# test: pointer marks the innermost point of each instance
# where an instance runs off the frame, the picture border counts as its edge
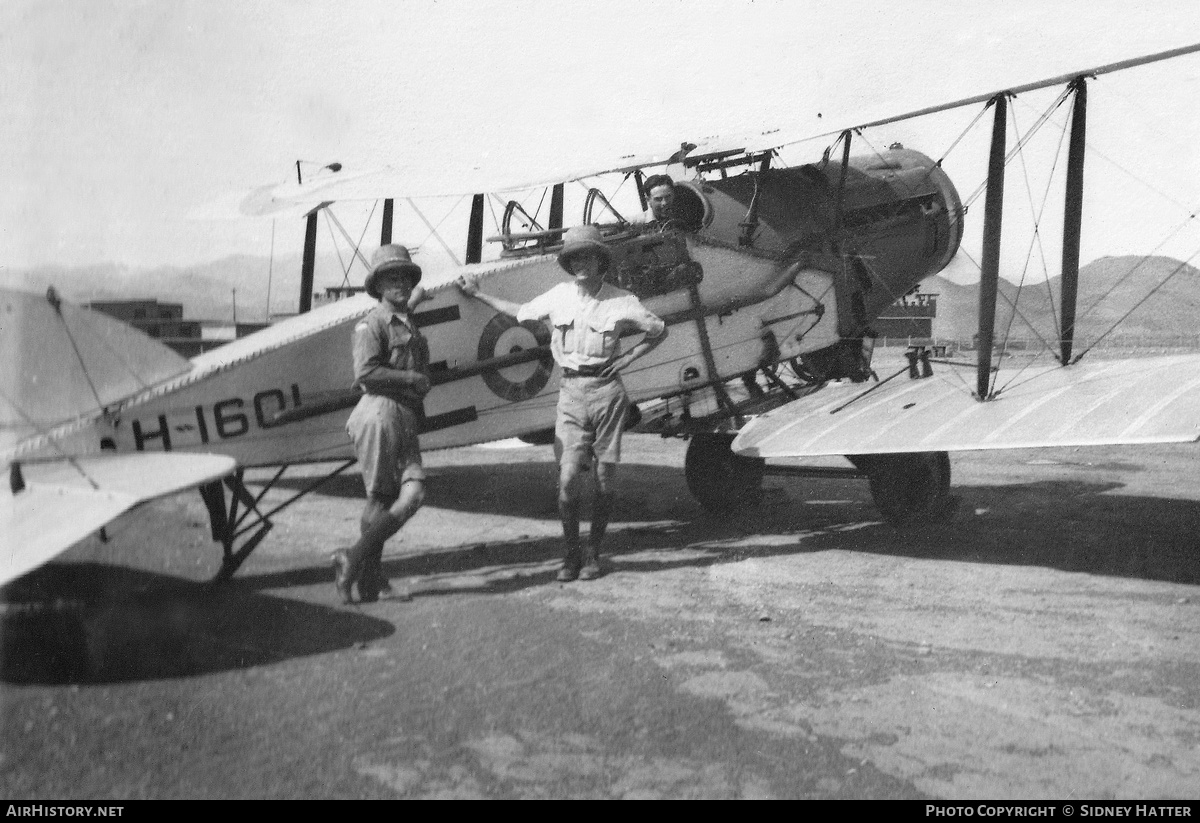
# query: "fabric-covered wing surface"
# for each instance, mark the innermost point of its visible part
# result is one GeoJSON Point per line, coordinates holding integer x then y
{"type": "Point", "coordinates": [57, 364]}
{"type": "Point", "coordinates": [1150, 400]}
{"type": "Point", "coordinates": [59, 506]}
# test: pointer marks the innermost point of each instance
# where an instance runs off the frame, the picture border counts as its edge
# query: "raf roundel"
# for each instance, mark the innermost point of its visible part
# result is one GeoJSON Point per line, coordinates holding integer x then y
{"type": "Point", "coordinates": [504, 335]}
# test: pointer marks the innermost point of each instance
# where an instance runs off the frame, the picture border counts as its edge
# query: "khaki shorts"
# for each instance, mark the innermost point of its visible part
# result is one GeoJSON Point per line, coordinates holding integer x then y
{"type": "Point", "coordinates": [591, 414]}
{"type": "Point", "coordinates": [384, 432]}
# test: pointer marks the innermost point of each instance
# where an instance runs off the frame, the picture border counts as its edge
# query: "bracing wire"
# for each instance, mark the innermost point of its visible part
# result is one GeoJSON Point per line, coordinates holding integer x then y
{"type": "Point", "coordinates": [1035, 239]}
{"type": "Point", "coordinates": [1132, 309]}
{"type": "Point", "coordinates": [56, 302]}
{"type": "Point", "coordinates": [1166, 239]}
{"type": "Point", "coordinates": [1033, 130]}
{"type": "Point", "coordinates": [329, 221]}
{"type": "Point", "coordinates": [45, 435]}
{"type": "Point", "coordinates": [1016, 309]}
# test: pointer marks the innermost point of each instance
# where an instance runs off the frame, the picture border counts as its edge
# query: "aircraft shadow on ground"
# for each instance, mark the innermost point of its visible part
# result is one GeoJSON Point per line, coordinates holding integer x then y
{"type": "Point", "coordinates": [1061, 524]}
{"type": "Point", "coordinates": [1072, 526]}
{"type": "Point", "coordinates": [94, 623]}
{"type": "Point", "coordinates": [91, 623]}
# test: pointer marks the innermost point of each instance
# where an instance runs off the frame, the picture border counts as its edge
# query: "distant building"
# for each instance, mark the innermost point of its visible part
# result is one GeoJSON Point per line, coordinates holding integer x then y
{"type": "Point", "coordinates": [909, 317]}
{"type": "Point", "coordinates": [164, 322]}
{"type": "Point", "coordinates": [334, 293]}
{"type": "Point", "coordinates": [138, 313]}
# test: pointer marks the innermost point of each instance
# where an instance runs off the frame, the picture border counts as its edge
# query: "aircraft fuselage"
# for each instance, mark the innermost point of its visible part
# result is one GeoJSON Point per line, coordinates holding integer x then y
{"type": "Point", "coordinates": [805, 274]}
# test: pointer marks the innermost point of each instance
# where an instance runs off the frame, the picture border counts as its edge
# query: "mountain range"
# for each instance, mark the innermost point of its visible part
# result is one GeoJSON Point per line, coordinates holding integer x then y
{"type": "Point", "coordinates": [1160, 295]}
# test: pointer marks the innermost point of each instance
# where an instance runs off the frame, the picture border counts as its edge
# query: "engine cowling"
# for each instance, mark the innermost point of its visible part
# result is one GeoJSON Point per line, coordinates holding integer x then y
{"type": "Point", "coordinates": [901, 221]}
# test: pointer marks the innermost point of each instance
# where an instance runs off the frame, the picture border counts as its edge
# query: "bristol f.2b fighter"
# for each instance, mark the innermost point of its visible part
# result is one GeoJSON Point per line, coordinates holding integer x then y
{"type": "Point", "coordinates": [770, 276]}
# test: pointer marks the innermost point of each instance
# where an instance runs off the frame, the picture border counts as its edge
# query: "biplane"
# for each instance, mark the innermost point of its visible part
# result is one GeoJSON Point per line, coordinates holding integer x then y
{"type": "Point", "coordinates": [769, 275]}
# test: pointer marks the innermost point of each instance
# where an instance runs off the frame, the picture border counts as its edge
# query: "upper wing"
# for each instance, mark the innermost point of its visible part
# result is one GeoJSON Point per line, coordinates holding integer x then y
{"type": "Point", "coordinates": [1152, 400]}
{"type": "Point", "coordinates": [449, 179]}
{"type": "Point", "coordinates": [432, 180]}
{"type": "Point", "coordinates": [63, 502]}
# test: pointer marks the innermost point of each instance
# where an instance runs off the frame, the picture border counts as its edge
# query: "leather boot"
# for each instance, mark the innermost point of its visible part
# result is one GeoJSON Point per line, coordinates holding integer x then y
{"type": "Point", "coordinates": [370, 581]}
{"type": "Point", "coordinates": [374, 585]}
{"type": "Point", "coordinates": [570, 565]}
{"type": "Point", "coordinates": [591, 563]}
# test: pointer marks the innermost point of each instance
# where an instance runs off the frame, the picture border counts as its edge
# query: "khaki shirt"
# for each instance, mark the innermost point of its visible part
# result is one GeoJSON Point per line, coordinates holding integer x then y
{"type": "Point", "coordinates": [385, 341]}
{"type": "Point", "coordinates": [587, 330]}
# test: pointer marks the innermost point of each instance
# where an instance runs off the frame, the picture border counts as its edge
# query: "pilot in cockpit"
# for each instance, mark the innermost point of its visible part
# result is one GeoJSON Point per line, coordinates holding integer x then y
{"type": "Point", "coordinates": [660, 197]}
{"type": "Point", "coordinates": [658, 261]}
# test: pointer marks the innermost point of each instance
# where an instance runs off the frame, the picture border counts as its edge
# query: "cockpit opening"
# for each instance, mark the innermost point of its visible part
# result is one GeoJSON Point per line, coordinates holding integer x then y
{"type": "Point", "coordinates": [691, 212]}
{"type": "Point", "coordinates": [653, 263]}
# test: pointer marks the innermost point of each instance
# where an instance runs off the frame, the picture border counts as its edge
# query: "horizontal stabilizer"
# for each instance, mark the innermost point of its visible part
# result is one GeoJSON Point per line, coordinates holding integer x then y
{"type": "Point", "coordinates": [1150, 400]}
{"type": "Point", "coordinates": [63, 502]}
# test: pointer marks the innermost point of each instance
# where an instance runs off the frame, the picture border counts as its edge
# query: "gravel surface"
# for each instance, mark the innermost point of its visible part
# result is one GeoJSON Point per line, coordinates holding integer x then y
{"type": "Point", "coordinates": [1044, 644]}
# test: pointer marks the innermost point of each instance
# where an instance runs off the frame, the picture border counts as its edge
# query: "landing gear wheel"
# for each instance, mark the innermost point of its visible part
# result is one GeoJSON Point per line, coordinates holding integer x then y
{"type": "Point", "coordinates": [910, 489]}
{"type": "Point", "coordinates": [722, 481]}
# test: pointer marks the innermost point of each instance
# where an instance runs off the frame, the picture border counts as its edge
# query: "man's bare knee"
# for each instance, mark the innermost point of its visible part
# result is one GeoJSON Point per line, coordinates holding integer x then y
{"type": "Point", "coordinates": [412, 496]}
{"type": "Point", "coordinates": [568, 481]}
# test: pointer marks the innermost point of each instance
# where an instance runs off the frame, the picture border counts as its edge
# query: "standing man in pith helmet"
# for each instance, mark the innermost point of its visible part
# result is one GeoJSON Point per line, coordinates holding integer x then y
{"type": "Point", "coordinates": [391, 361]}
{"type": "Point", "coordinates": [588, 317]}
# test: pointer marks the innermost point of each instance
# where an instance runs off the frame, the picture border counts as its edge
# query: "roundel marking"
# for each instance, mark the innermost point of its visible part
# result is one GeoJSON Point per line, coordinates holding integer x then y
{"type": "Point", "coordinates": [501, 386]}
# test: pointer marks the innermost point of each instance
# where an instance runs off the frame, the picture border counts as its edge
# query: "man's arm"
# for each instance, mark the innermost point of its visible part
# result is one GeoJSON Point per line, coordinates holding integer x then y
{"type": "Point", "coordinates": [381, 379]}
{"type": "Point", "coordinates": [371, 369]}
{"type": "Point", "coordinates": [417, 297]}
{"type": "Point", "coordinates": [470, 287]}
{"type": "Point", "coordinates": [376, 376]}
{"type": "Point", "coordinates": [646, 345]}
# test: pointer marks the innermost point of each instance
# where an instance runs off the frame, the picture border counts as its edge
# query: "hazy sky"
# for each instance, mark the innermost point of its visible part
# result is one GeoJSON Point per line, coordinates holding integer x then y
{"type": "Point", "coordinates": [121, 117]}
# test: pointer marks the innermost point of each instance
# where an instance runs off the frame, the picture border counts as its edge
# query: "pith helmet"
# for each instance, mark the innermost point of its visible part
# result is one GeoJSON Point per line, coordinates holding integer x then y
{"type": "Point", "coordinates": [391, 257]}
{"type": "Point", "coordinates": [580, 239]}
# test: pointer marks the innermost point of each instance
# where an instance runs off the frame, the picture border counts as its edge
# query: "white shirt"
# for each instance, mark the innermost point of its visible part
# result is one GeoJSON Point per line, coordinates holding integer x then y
{"type": "Point", "coordinates": [587, 330]}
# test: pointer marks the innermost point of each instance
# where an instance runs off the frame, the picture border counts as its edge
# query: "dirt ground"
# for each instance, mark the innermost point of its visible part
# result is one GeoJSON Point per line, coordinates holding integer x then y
{"type": "Point", "coordinates": [1044, 644]}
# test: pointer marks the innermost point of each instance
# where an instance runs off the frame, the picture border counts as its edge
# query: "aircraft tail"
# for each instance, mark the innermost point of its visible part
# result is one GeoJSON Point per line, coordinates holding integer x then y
{"type": "Point", "coordinates": [60, 362]}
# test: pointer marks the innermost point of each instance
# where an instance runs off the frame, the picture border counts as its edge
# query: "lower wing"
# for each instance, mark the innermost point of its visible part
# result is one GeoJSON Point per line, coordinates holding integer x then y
{"type": "Point", "coordinates": [1151, 400]}
{"type": "Point", "coordinates": [58, 503]}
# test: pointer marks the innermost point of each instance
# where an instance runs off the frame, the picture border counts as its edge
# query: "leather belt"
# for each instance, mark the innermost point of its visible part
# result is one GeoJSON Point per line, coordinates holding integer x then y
{"type": "Point", "coordinates": [585, 371]}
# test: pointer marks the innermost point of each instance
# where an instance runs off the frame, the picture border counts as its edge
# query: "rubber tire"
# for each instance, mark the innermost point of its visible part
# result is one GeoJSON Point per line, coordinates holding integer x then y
{"type": "Point", "coordinates": [720, 480]}
{"type": "Point", "coordinates": [910, 488]}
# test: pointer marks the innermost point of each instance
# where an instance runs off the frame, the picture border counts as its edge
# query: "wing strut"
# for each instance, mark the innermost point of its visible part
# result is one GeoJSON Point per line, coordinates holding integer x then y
{"type": "Point", "coordinates": [749, 225]}
{"type": "Point", "coordinates": [309, 262]}
{"type": "Point", "coordinates": [1073, 217]}
{"type": "Point", "coordinates": [993, 213]}
{"type": "Point", "coordinates": [556, 206]}
{"type": "Point", "coordinates": [385, 231]}
{"type": "Point", "coordinates": [841, 192]}
{"type": "Point", "coordinates": [723, 400]}
{"type": "Point", "coordinates": [229, 526]}
{"type": "Point", "coordinates": [475, 231]}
